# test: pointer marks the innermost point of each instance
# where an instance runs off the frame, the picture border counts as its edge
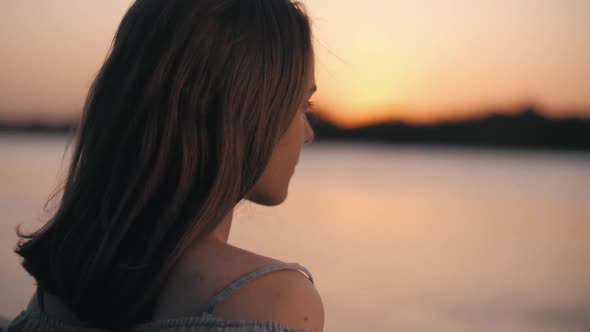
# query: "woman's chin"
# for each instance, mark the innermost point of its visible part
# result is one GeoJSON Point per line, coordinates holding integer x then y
{"type": "Point", "coordinates": [268, 198]}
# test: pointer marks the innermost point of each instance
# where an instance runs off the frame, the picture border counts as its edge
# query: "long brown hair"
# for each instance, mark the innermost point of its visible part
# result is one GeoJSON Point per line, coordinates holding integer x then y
{"type": "Point", "coordinates": [177, 127]}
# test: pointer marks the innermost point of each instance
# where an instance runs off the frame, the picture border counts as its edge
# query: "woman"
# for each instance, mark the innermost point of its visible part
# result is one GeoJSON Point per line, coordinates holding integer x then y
{"type": "Point", "coordinates": [200, 105]}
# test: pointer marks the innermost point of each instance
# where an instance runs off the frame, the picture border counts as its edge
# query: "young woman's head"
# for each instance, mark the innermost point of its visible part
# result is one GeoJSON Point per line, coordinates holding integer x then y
{"type": "Point", "coordinates": [200, 104]}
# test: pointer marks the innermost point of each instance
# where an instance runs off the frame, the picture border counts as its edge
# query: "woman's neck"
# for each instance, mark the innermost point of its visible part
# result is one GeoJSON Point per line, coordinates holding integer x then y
{"type": "Point", "coordinates": [221, 232]}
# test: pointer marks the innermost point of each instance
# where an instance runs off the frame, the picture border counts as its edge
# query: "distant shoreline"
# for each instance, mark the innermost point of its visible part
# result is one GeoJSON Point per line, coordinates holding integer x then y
{"type": "Point", "coordinates": [527, 129]}
{"type": "Point", "coordinates": [37, 127]}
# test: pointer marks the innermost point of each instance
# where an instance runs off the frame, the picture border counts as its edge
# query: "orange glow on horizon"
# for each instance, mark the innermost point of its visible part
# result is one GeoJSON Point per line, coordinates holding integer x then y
{"type": "Point", "coordinates": [367, 116]}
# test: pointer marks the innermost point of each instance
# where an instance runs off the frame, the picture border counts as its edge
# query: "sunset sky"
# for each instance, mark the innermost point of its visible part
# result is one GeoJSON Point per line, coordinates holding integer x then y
{"type": "Point", "coordinates": [414, 60]}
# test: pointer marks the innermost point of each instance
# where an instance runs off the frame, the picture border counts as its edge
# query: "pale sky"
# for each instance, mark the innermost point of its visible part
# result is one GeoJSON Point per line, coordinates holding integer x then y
{"type": "Point", "coordinates": [416, 60]}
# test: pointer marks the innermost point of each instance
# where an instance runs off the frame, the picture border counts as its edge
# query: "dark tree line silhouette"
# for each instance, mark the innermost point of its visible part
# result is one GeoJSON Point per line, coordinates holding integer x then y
{"type": "Point", "coordinates": [525, 129]}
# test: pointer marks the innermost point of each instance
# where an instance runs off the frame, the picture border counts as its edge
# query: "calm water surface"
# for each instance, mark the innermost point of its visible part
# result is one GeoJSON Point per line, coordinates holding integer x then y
{"type": "Point", "coordinates": [402, 238]}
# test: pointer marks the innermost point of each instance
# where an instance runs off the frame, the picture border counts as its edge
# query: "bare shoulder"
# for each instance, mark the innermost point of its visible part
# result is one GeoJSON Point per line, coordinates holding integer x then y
{"type": "Point", "coordinates": [284, 296]}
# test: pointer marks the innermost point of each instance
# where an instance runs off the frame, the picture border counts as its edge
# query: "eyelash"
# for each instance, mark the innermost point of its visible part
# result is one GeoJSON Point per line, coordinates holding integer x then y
{"type": "Point", "coordinates": [310, 114]}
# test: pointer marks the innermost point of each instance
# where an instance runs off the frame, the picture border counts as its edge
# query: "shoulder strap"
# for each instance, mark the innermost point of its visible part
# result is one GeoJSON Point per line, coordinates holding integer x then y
{"type": "Point", "coordinates": [228, 290]}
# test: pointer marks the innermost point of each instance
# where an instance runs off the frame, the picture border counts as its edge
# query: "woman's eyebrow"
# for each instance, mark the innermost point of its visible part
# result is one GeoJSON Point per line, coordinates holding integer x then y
{"type": "Point", "coordinates": [313, 89]}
